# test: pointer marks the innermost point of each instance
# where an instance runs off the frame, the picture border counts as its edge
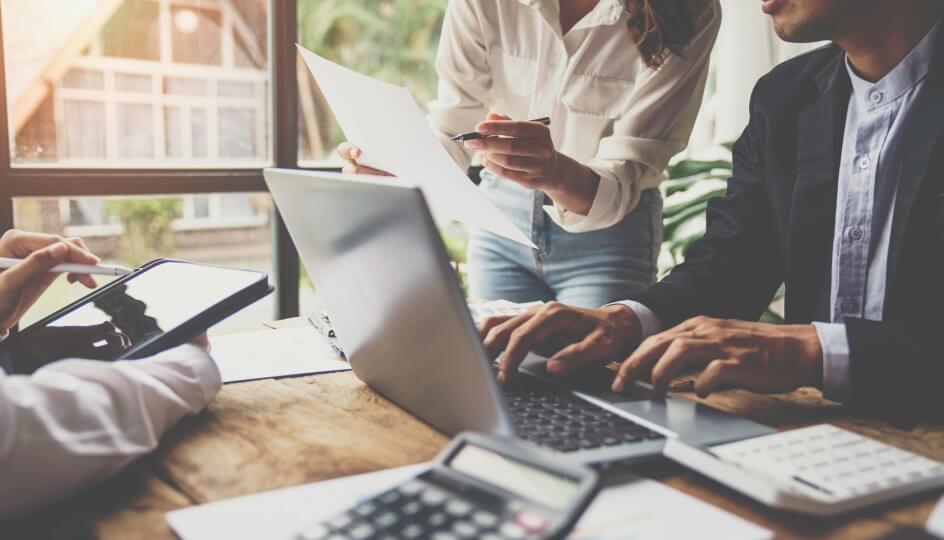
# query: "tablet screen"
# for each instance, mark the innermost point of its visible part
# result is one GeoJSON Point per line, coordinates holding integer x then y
{"type": "Point", "coordinates": [149, 304]}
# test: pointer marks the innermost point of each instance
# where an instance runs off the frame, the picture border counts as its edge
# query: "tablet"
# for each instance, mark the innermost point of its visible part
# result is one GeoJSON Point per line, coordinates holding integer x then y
{"type": "Point", "coordinates": [158, 306]}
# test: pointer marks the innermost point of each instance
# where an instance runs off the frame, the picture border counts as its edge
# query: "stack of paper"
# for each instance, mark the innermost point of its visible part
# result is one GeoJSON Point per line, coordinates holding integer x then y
{"type": "Point", "coordinates": [267, 354]}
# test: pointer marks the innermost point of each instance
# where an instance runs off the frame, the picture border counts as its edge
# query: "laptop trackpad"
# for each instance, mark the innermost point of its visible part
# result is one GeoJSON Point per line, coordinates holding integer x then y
{"type": "Point", "coordinates": [594, 381]}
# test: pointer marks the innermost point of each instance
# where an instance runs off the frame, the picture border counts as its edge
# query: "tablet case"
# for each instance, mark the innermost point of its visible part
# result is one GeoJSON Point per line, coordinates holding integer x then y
{"type": "Point", "coordinates": [186, 331]}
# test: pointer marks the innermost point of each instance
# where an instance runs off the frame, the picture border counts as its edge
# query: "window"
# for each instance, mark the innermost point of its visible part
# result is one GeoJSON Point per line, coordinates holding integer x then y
{"type": "Point", "coordinates": [143, 125]}
{"type": "Point", "coordinates": [155, 83]}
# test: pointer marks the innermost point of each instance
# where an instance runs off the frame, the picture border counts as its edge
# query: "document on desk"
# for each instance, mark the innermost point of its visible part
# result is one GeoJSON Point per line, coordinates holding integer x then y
{"type": "Point", "coordinates": [384, 121]}
{"type": "Point", "coordinates": [636, 509]}
{"type": "Point", "coordinates": [267, 354]}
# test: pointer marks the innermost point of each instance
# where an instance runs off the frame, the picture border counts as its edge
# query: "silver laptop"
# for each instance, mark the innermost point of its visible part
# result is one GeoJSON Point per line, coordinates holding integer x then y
{"type": "Point", "coordinates": [381, 270]}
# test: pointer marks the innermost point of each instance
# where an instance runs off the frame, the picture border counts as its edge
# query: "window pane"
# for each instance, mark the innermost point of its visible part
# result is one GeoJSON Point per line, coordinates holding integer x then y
{"type": "Point", "coordinates": [131, 231]}
{"type": "Point", "coordinates": [135, 131]}
{"type": "Point", "coordinates": [197, 36]}
{"type": "Point", "coordinates": [393, 41]}
{"type": "Point", "coordinates": [92, 87]}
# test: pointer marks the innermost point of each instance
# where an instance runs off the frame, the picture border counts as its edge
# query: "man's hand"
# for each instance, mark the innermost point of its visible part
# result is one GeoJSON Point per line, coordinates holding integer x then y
{"type": "Point", "coordinates": [572, 337]}
{"type": "Point", "coordinates": [350, 154]}
{"type": "Point", "coordinates": [731, 354]}
{"type": "Point", "coordinates": [23, 284]}
{"type": "Point", "coordinates": [523, 152]}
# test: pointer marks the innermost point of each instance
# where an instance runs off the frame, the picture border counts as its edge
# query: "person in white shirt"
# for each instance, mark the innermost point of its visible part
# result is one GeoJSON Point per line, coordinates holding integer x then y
{"type": "Point", "coordinates": [73, 423]}
{"type": "Point", "coordinates": [622, 82]}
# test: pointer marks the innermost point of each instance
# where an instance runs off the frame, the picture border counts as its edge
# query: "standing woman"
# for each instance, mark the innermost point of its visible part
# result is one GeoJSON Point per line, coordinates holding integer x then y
{"type": "Point", "coordinates": [622, 81]}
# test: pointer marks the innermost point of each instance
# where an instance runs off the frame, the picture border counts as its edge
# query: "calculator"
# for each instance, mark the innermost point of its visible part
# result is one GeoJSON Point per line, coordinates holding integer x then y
{"type": "Point", "coordinates": [481, 487]}
{"type": "Point", "coordinates": [821, 469]}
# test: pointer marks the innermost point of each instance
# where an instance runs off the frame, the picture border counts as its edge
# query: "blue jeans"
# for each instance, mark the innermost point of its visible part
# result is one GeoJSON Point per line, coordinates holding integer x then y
{"type": "Point", "coordinates": [582, 269]}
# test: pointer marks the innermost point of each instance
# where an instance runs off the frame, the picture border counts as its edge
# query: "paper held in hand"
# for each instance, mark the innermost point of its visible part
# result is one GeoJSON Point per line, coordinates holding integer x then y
{"type": "Point", "coordinates": [384, 121]}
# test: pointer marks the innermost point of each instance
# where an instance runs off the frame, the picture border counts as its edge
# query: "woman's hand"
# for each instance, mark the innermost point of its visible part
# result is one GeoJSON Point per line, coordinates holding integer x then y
{"type": "Point", "coordinates": [350, 153]}
{"type": "Point", "coordinates": [23, 284]}
{"type": "Point", "coordinates": [524, 153]}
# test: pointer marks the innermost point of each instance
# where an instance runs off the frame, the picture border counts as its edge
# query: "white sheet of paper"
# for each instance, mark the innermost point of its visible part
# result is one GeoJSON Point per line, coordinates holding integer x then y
{"type": "Point", "coordinates": [384, 121]}
{"type": "Point", "coordinates": [265, 354]}
{"type": "Point", "coordinates": [935, 524]}
{"type": "Point", "coordinates": [635, 510]}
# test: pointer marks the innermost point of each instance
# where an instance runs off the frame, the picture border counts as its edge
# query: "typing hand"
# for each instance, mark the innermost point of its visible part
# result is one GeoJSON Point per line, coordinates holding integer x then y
{"type": "Point", "coordinates": [571, 337]}
{"type": "Point", "coordinates": [524, 152]}
{"type": "Point", "coordinates": [731, 354]}
{"type": "Point", "coordinates": [23, 284]}
{"type": "Point", "coordinates": [350, 153]}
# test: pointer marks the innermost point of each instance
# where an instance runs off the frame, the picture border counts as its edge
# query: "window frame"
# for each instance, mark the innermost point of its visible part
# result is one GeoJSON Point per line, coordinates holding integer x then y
{"type": "Point", "coordinates": [39, 181]}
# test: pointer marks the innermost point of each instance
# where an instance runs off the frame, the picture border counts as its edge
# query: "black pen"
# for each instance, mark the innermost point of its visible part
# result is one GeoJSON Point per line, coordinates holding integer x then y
{"type": "Point", "coordinates": [472, 135]}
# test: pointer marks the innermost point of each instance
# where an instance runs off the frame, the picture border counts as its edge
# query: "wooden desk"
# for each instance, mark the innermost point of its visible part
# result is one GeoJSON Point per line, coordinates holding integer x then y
{"type": "Point", "coordinates": [269, 434]}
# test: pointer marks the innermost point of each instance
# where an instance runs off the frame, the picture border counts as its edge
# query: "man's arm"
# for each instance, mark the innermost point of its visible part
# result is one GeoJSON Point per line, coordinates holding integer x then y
{"type": "Point", "coordinates": [895, 368]}
{"type": "Point", "coordinates": [733, 271]}
{"type": "Point", "coordinates": [76, 422]}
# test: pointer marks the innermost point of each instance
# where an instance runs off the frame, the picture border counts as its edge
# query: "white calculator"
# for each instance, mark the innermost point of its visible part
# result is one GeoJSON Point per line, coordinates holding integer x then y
{"type": "Point", "coordinates": [821, 469]}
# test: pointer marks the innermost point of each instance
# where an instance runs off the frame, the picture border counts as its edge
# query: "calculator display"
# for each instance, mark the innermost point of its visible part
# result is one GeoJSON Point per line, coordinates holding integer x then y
{"type": "Point", "coordinates": [553, 490]}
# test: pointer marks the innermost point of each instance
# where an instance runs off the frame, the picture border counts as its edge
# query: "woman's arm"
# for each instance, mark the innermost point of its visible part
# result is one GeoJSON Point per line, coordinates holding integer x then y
{"type": "Point", "coordinates": [76, 422]}
{"type": "Point", "coordinates": [655, 126]}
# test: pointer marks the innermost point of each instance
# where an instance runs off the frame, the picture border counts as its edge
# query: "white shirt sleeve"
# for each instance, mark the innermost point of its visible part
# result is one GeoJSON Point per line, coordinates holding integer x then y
{"type": "Point", "coordinates": [464, 79]}
{"type": "Point", "coordinates": [73, 423]}
{"type": "Point", "coordinates": [655, 127]}
{"type": "Point", "coordinates": [649, 322]}
{"type": "Point", "coordinates": [835, 344]}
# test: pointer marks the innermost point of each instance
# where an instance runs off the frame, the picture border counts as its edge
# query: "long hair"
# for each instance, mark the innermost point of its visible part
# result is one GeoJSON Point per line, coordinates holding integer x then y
{"type": "Point", "coordinates": [661, 27]}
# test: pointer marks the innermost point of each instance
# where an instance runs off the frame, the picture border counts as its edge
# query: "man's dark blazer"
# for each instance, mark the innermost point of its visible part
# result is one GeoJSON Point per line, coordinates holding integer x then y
{"type": "Point", "coordinates": [775, 225]}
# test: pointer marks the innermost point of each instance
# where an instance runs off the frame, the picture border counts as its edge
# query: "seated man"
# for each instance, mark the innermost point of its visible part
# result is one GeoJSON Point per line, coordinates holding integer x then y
{"type": "Point", "coordinates": [838, 192]}
{"type": "Point", "coordinates": [73, 423]}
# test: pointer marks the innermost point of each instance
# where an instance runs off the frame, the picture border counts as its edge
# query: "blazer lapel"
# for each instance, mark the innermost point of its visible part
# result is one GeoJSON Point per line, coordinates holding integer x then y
{"type": "Point", "coordinates": [924, 135]}
{"type": "Point", "coordinates": [813, 212]}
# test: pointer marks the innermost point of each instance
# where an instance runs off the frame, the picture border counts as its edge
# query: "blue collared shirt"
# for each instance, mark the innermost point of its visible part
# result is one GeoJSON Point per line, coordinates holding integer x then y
{"type": "Point", "coordinates": [876, 123]}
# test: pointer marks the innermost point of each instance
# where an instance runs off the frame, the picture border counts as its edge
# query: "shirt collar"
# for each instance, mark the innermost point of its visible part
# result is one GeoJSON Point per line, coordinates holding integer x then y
{"type": "Point", "coordinates": [605, 13]}
{"type": "Point", "coordinates": [905, 76]}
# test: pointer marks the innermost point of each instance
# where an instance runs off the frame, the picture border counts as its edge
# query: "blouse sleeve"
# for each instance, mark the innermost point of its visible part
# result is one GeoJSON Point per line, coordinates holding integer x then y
{"type": "Point", "coordinates": [656, 126]}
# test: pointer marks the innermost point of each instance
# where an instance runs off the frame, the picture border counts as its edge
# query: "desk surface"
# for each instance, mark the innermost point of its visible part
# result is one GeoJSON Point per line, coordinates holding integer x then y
{"type": "Point", "coordinates": [269, 434]}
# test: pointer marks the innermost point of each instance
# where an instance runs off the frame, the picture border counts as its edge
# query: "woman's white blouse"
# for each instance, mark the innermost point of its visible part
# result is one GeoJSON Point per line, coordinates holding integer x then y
{"type": "Point", "coordinates": [608, 110]}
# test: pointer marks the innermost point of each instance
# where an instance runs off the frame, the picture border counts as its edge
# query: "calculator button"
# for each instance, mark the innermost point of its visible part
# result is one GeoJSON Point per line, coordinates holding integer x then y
{"type": "Point", "coordinates": [458, 508]}
{"type": "Point", "coordinates": [389, 497]}
{"type": "Point", "coordinates": [438, 519]}
{"type": "Point", "coordinates": [339, 522]}
{"type": "Point", "coordinates": [490, 536]}
{"type": "Point", "coordinates": [412, 508]}
{"type": "Point", "coordinates": [444, 536]}
{"type": "Point", "coordinates": [485, 519]}
{"type": "Point", "coordinates": [361, 532]}
{"type": "Point", "coordinates": [531, 522]}
{"type": "Point", "coordinates": [511, 530]}
{"type": "Point", "coordinates": [365, 509]}
{"type": "Point", "coordinates": [433, 497]}
{"type": "Point", "coordinates": [387, 519]}
{"type": "Point", "coordinates": [465, 529]}
{"type": "Point", "coordinates": [412, 531]}
{"type": "Point", "coordinates": [411, 488]}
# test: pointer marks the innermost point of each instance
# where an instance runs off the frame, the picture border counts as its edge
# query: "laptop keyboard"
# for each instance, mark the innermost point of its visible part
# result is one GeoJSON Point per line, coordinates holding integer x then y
{"type": "Point", "coordinates": [563, 422]}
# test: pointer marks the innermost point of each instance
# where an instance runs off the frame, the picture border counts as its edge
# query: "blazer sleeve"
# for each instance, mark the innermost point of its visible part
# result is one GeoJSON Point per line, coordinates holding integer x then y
{"type": "Point", "coordinates": [734, 270]}
{"type": "Point", "coordinates": [895, 368]}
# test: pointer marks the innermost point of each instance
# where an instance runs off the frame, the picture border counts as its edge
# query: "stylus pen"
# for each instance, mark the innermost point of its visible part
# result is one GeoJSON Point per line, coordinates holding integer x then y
{"type": "Point", "coordinates": [68, 268]}
{"type": "Point", "coordinates": [472, 135]}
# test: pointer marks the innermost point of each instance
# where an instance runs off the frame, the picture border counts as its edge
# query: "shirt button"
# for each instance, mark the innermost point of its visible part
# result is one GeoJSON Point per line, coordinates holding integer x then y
{"type": "Point", "coordinates": [856, 234]}
{"type": "Point", "coordinates": [876, 97]}
{"type": "Point", "coordinates": [864, 162]}
{"type": "Point", "coordinates": [849, 305]}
